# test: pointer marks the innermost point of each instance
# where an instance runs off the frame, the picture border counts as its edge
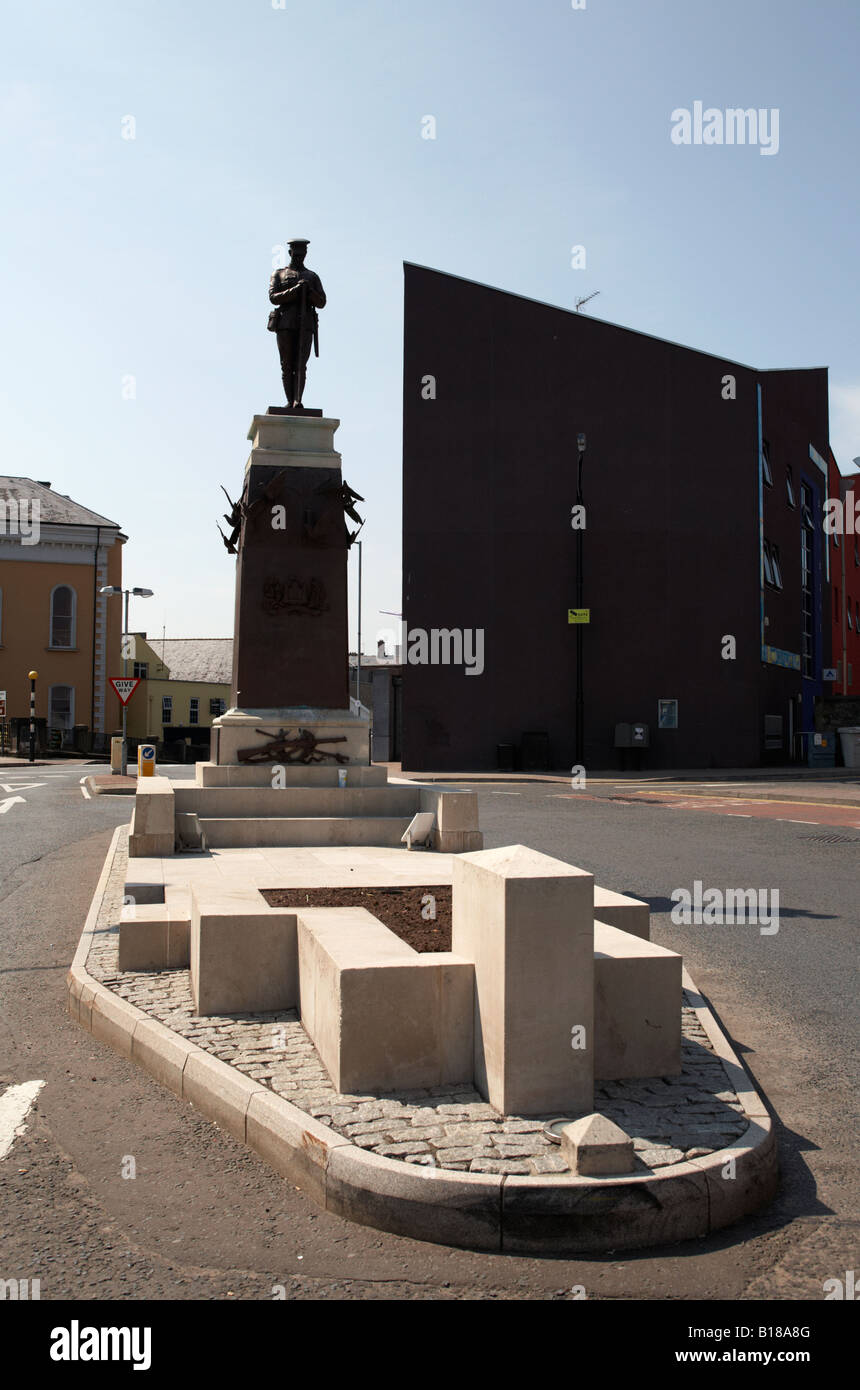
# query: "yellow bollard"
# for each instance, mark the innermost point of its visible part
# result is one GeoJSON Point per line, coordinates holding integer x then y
{"type": "Point", "coordinates": [146, 760]}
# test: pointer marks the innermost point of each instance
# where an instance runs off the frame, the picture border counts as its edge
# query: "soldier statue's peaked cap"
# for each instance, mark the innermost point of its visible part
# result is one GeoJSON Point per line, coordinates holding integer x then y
{"type": "Point", "coordinates": [298, 241]}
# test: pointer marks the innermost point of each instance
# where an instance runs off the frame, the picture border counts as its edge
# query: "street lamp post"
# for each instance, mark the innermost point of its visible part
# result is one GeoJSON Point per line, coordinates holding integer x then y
{"type": "Point", "coordinates": [138, 593]}
{"type": "Point", "coordinates": [580, 696]}
{"type": "Point", "coordinates": [33, 676]}
{"type": "Point", "coordinates": [358, 655]}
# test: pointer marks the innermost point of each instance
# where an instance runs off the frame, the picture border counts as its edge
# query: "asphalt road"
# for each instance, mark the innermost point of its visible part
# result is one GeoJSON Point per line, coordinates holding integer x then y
{"type": "Point", "coordinates": [205, 1219]}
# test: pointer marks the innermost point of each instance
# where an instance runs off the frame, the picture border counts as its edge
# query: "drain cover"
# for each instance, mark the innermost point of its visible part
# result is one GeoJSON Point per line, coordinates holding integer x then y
{"type": "Point", "coordinates": [832, 839]}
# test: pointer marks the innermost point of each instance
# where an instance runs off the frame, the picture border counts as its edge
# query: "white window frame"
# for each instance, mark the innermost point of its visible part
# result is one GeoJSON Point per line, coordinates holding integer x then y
{"type": "Point", "coordinates": [62, 685]}
{"type": "Point", "coordinates": [167, 700]}
{"type": "Point", "coordinates": [766, 471]}
{"type": "Point", "coordinates": [53, 646]}
{"type": "Point", "coordinates": [194, 709]}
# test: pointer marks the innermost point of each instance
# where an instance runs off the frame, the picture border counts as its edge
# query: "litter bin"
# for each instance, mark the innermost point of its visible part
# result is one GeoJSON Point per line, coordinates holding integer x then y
{"type": "Point", "coordinates": [535, 751]}
{"type": "Point", "coordinates": [850, 740]}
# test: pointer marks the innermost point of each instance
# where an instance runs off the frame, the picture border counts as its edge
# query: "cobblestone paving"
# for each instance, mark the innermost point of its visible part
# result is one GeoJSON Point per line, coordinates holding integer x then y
{"type": "Point", "coordinates": [670, 1119]}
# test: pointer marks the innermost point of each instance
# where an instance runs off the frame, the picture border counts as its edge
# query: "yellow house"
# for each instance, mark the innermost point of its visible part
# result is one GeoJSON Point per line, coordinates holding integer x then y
{"type": "Point", "coordinates": [55, 555]}
{"type": "Point", "coordinates": [184, 685]}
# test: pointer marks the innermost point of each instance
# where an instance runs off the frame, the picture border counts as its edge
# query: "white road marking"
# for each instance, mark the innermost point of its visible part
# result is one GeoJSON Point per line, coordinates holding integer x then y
{"type": "Point", "coordinates": [9, 802]}
{"type": "Point", "coordinates": [798, 822]}
{"type": "Point", "coordinates": [505, 793]}
{"type": "Point", "coordinates": [739, 815]}
{"type": "Point", "coordinates": [20, 786]}
{"type": "Point", "coordinates": [15, 1106]}
{"type": "Point", "coordinates": [84, 792]}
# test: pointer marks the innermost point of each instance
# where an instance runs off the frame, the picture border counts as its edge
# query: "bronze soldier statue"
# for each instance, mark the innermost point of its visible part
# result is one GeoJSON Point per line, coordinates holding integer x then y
{"type": "Point", "coordinates": [297, 293]}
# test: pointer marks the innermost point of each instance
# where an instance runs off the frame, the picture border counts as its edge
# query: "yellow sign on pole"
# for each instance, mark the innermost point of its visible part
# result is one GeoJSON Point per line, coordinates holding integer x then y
{"type": "Point", "coordinates": [579, 615]}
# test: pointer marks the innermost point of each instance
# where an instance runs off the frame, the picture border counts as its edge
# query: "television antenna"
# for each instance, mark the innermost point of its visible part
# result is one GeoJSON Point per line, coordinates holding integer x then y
{"type": "Point", "coordinates": [580, 302]}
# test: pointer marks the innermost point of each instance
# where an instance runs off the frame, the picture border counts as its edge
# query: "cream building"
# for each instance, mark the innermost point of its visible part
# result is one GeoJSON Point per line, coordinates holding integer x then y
{"type": "Point", "coordinates": [184, 685]}
{"type": "Point", "coordinates": [55, 555]}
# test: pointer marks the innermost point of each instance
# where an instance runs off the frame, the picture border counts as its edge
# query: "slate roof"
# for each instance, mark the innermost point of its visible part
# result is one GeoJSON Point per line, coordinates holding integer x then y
{"type": "Point", "coordinates": [207, 659]}
{"type": "Point", "coordinates": [54, 507]}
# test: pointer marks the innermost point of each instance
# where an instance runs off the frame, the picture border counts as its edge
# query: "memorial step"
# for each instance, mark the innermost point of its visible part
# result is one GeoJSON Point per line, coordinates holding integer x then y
{"type": "Point", "coordinates": [294, 801]}
{"type": "Point", "coordinates": [232, 832]}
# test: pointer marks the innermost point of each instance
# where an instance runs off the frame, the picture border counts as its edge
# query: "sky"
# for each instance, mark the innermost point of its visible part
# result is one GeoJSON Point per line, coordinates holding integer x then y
{"type": "Point", "coordinates": [157, 156]}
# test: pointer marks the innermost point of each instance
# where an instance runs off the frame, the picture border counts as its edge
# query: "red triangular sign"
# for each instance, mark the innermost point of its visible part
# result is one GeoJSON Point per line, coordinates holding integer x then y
{"type": "Point", "coordinates": [125, 686]}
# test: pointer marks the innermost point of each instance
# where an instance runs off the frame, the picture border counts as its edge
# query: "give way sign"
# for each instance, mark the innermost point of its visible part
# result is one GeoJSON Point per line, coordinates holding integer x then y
{"type": "Point", "coordinates": [125, 686]}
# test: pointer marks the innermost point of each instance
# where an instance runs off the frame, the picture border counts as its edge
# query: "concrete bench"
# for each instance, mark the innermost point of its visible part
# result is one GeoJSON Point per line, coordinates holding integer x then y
{"type": "Point", "coordinates": [637, 1006]}
{"type": "Point", "coordinates": [382, 1016]}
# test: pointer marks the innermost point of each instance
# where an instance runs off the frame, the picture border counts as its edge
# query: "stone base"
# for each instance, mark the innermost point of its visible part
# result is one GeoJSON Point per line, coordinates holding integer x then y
{"type": "Point", "coordinates": [239, 729]}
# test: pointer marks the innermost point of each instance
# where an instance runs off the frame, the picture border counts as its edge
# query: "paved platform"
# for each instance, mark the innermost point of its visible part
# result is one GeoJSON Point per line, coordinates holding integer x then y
{"type": "Point", "coordinates": [441, 1164]}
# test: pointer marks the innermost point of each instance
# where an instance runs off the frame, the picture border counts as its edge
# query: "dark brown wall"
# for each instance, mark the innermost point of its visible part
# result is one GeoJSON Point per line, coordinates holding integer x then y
{"type": "Point", "coordinates": [671, 545]}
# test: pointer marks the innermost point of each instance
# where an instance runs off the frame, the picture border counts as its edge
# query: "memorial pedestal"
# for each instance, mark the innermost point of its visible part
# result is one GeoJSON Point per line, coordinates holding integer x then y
{"type": "Point", "coordinates": [240, 729]}
{"type": "Point", "coordinates": [290, 655]}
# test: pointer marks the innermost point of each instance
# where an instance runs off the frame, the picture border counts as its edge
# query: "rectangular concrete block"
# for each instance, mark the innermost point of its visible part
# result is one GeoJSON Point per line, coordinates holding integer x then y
{"type": "Point", "coordinates": [454, 810]}
{"type": "Point", "coordinates": [243, 953]}
{"type": "Point", "coordinates": [381, 1016]}
{"type": "Point", "coordinates": [637, 1006]}
{"type": "Point", "coordinates": [526, 920]}
{"type": "Point", "coordinates": [143, 938]}
{"type": "Point", "coordinates": [621, 911]}
{"type": "Point", "coordinates": [152, 829]}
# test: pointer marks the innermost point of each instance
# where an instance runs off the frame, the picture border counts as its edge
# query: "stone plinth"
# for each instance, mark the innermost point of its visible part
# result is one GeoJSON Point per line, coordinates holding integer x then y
{"type": "Point", "coordinates": [291, 640]}
{"type": "Point", "coordinates": [526, 921]}
{"type": "Point", "coordinates": [239, 729]}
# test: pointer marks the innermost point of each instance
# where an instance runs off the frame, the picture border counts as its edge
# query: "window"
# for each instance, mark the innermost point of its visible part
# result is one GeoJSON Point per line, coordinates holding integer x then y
{"type": "Point", "coordinates": [61, 707]}
{"type": "Point", "coordinates": [789, 486]}
{"type": "Point", "coordinates": [835, 602]}
{"type": "Point", "coordinates": [768, 569]}
{"type": "Point", "coordinates": [765, 463]}
{"type": "Point", "coordinates": [62, 616]}
{"type": "Point", "coordinates": [193, 710]}
{"type": "Point", "coordinates": [777, 571]}
{"type": "Point", "coordinates": [848, 615]}
{"type": "Point", "coordinates": [856, 555]}
{"type": "Point", "coordinates": [807, 580]}
{"type": "Point", "coordinates": [141, 669]}
{"type": "Point", "coordinates": [217, 707]}
{"type": "Point", "coordinates": [167, 709]}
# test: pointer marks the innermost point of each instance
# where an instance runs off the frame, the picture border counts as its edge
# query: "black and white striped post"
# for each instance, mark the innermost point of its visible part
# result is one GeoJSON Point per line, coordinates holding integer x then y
{"type": "Point", "coordinates": [33, 677]}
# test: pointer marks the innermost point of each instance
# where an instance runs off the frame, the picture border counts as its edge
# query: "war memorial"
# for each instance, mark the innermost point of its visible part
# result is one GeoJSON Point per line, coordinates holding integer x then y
{"type": "Point", "coordinates": [475, 1047]}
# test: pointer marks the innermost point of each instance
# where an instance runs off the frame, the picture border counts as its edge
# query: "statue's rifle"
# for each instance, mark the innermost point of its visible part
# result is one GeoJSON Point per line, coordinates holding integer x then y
{"type": "Point", "coordinates": [299, 363]}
